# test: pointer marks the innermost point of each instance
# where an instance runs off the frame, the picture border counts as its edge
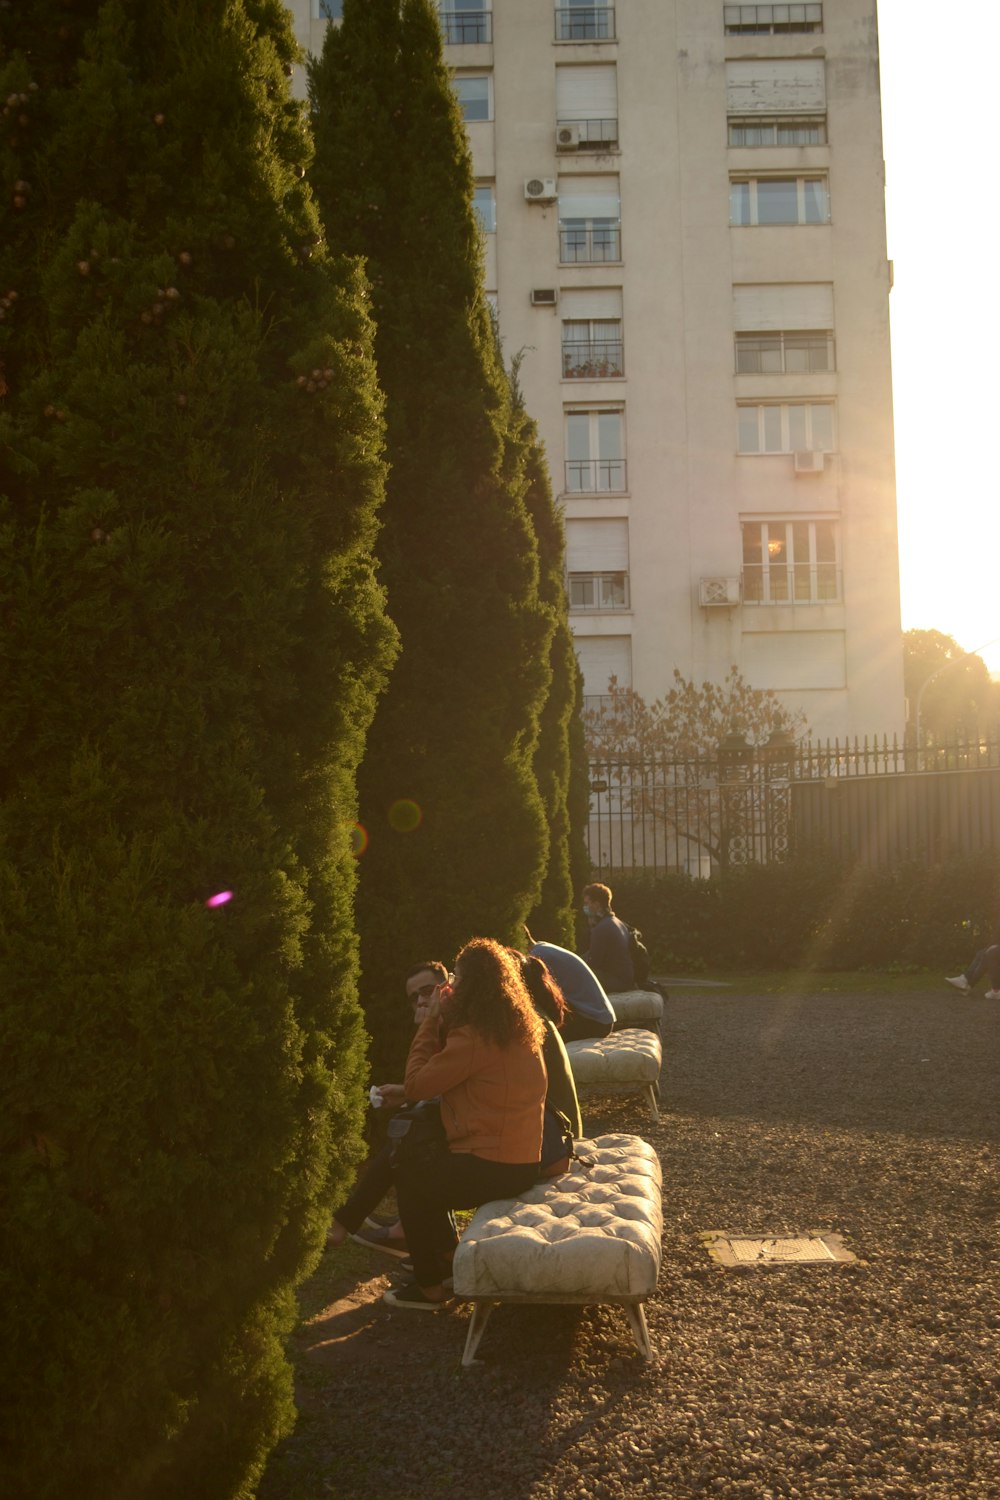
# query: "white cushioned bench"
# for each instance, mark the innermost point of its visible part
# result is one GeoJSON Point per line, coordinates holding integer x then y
{"type": "Point", "coordinates": [621, 1061]}
{"type": "Point", "coordinates": [589, 1236]}
{"type": "Point", "coordinates": [637, 1008]}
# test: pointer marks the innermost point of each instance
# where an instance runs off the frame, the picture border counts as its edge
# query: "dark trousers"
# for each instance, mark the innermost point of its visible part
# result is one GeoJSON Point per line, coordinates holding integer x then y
{"type": "Point", "coordinates": [577, 1028]}
{"type": "Point", "coordinates": [986, 961]}
{"type": "Point", "coordinates": [374, 1181]}
{"type": "Point", "coordinates": [439, 1180]}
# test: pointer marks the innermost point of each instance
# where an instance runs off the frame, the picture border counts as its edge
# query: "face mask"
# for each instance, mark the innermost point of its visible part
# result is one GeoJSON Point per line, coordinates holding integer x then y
{"type": "Point", "coordinates": [588, 911]}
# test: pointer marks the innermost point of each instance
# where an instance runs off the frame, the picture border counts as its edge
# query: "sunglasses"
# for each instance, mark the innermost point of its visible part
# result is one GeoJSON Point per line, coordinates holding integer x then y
{"type": "Point", "coordinates": [423, 993]}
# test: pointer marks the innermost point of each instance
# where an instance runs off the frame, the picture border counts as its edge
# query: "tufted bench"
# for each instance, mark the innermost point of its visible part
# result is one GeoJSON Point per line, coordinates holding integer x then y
{"type": "Point", "coordinates": [637, 1008]}
{"type": "Point", "coordinates": [623, 1060]}
{"type": "Point", "coordinates": [589, 1236]}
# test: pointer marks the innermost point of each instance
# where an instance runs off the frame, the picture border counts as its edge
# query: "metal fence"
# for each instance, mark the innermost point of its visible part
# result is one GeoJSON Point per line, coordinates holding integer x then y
{"type": "Point", "coordinates": [875, 802]}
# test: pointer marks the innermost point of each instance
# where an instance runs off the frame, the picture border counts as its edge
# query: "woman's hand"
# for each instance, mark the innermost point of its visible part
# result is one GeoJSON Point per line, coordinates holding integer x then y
{"type": "Point", "coordinates": [393, 1095]}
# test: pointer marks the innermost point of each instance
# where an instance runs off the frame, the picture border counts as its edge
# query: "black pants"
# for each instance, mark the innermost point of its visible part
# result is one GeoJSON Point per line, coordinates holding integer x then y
{"type": "Point", "coordinates": [374, 1181]}
{"type": "Point", "coordinates": [577, 1028]}
{"type": "Point", "coordinates": [438, 1180]}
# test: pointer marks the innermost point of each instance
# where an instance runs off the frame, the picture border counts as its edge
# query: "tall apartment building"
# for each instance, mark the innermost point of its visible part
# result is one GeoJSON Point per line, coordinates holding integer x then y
{"type": "Point", "coordinates": [684, 216]}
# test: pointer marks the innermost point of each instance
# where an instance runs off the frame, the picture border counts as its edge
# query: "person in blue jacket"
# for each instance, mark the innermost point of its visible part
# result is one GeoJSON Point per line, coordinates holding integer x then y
{"type": "Point", "coordinates": [588, 1010]}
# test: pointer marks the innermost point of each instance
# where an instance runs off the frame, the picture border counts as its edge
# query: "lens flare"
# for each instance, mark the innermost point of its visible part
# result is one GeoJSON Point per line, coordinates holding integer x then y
{"type": "Point", "coordinates": [405, 815]}
{"type": "Point", "coordinates": [219, 899]}
{"type": "Point", "coordinates": [358, 839]}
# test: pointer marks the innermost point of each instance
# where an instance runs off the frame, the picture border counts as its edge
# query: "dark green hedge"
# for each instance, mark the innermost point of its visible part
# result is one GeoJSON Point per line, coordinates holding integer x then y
{"type": "Point", "coordinates": [813, 914]}
{"type": "Point", "coordinates": [193, 638]}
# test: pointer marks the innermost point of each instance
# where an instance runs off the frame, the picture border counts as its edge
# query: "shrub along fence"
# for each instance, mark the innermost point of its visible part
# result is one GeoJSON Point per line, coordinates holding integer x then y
{"type": "Point", "coordinates": [815, 913]}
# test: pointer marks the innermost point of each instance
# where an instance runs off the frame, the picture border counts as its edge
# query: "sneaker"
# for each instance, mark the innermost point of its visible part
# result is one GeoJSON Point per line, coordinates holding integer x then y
{"type": "Point", "coordinates": [380, 1239]}
{"type": "Point", "coordinates": [961, 983]}
{"type": "Point", "coordinates": [993, 994]}
{"type": "Point", "coordinates": [411, 1297]}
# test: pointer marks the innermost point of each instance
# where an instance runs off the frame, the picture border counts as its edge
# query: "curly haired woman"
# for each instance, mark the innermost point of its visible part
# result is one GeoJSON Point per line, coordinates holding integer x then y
{"type": "Point", "coordinates": [480, 1049]}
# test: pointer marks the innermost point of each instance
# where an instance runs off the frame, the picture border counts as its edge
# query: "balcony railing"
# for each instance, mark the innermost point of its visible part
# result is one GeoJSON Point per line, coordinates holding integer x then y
{"type": "Point", "coordinates": [593, 591]}
{"type": "Point", "coordinates": [584, 243]}
{"type": "Point", "coordinates": [791, 583]}
{"type": "Point", "coordinates": [585, 23]}
{"type": "Point", "coordinates": [595, 476]}
{"type": "Point", "coordinates": [460, 27]}
{"type": "Point", "coordinates": [594, 132]}
{"type": "Point", "coordinates": [593, 361]}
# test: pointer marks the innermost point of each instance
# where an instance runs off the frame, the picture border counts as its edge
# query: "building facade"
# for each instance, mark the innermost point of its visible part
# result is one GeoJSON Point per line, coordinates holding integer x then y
{"type": "Point", "coordinates": [685, 233]}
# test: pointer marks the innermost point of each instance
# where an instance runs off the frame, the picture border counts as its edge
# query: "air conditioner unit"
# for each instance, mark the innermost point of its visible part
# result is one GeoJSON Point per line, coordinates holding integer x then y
{"type": "Point", "coordinates": [813, 462]}
{"type": "Point", "coordinates": [544, 296]}
{"type": "Point", "coordinates": [540, 189]}
{"type": "Point", "coordinates": [719, 592]}
{"type": "Point", "coordinates": [567, 137]}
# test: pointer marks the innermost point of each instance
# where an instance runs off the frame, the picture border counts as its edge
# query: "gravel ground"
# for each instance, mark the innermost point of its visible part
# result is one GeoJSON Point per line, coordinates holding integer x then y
{"type": "Point", "coordinates": [874, 1116]}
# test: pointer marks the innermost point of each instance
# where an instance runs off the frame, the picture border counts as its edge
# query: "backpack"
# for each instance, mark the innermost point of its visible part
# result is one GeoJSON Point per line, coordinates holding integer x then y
{"type": "Point", "coordinates": [639, 954]}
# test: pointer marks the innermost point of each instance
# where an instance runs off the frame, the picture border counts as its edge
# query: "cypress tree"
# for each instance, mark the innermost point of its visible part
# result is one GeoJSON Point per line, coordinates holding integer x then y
{"type": "Point", "coordinates": [456, 826]}
{"type": "Point", "coordinates": [552, 918]}
{"type": "Point", "coordinates": [190, 472]}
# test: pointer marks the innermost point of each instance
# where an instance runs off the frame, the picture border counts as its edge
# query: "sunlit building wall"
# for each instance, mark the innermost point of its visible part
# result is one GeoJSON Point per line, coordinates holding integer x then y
{"type": "Point", "coordinates": [685, 235]}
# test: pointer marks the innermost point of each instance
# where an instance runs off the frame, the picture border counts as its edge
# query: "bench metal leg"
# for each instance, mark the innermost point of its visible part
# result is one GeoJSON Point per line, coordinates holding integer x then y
{"type": "Point", "coordinates": [477, 1327]}
{"type": "Point", "coordinates": [636, 1314]}
{"type": "Point", "coordinates": [652, 1093]}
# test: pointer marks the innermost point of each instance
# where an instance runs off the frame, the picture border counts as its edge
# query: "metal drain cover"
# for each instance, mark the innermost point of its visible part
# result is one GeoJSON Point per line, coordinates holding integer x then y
{"type": "Point", "coordinates": [776, 1250]}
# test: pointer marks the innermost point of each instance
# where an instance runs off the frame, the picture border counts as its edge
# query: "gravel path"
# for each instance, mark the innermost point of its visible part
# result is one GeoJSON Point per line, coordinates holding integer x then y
{"type": "Point", "coordinates": [873, 1116]}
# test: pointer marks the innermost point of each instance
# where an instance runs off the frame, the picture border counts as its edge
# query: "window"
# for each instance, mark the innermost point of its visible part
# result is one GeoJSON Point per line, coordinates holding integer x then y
{"type": "Point", "coordinates": [778, 131]}
{"type": "Point", "coordinates": [598, 591]}
{"type": "Point", "coordinates": [597, 564]}
{"type": "Point", "coordinates": [587, 101]}
{"type": "Point", "coordinates": [475, 96]}
{"type": "Point", "coordinates": [602, 657]}
{"type": "Point", "coordinates": [779, 200]}
{"type": "Point", "coordinates": [589, 220]}
{"type": "Point", "coordinates": [484, 206]}
{"type": "Point", "coordinates": [792, 427]}
{"type": "Point", "coordinates": [768, 20]}
{"type": "Point", "coordinates": [591, 333]}
{"type": "Point", "coordinates": [783, 352]}
{"type": "Point", "coordinates": [464, 21]}
{"type": "Point", "coordinates": [790, 562]}
{"type": "Point", "coordinates": [592, 348]}
{"type": "Point", "coordinates": [585, 21]}
{"type": "Point", "coordinates": [595, 452]}
{"type": "Point", "coordinates": [329, 10]}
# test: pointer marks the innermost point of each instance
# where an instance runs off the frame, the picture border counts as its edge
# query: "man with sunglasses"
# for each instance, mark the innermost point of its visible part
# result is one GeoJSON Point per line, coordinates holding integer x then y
{"type": "Point", "coordinates": [423, 982]}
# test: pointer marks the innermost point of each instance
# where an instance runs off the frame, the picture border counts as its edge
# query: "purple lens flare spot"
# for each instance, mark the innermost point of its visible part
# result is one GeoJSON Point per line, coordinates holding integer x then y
{"type": "Point", "coordinates": [219, 899]}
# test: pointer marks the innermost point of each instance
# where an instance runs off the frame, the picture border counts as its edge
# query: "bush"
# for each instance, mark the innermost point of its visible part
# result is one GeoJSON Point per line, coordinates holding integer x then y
{"type": "Point", "coordinates": [813, 914]}
{"type": "Point", "coordinates": [193, 642]}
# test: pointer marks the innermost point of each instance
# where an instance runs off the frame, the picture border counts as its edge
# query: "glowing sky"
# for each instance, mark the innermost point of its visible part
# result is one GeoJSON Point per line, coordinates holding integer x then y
{"type": "Point", "coordinates": [939, 115]}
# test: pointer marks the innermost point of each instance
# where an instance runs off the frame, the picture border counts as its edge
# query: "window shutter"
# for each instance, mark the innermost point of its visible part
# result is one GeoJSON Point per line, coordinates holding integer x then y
{"type": "Point", "coordinates": [587, 93]}
{"type": "Point", "coordinates": [602, 657]}
{"type": "Point", "coordinates": [597, 546]}
{"type": "Point", "coordinates": [758, 309]}
{"type": "Point", "coordinates": [591, 303]}
{"type": "Point", "coordinates": [795, 85]}
{"type": "Point", "coordinates": [583, 197]}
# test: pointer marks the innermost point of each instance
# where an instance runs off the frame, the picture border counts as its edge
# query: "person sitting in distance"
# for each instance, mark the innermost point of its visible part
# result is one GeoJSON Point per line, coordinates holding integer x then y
{"type": "Point", "coordinates": [986, 961]}
{"type": "Point", "coordinates": [609, 953]}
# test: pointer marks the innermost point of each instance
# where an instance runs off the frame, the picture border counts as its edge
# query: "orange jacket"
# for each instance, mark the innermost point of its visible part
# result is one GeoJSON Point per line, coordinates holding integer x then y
{"type": "Point", "coordinates": [492, 1098]}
